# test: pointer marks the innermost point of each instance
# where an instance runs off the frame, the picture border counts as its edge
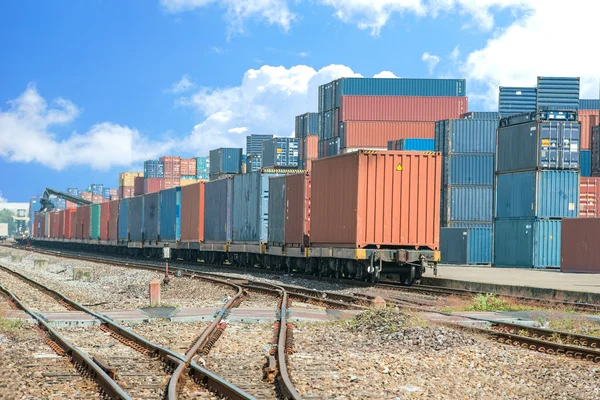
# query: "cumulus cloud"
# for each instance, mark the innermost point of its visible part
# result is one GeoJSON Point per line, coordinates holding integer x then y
{"type": "Point", "coordinates": [26, 135]}
{"type": "Point", "coordinates": [266, 101]}
{"type": "Point", "coordinates": [385, 74]}
{"type": "Point", "coordinates": [431, 60]}
{"type": "Point", "coordinates": [455, 53]}
{"type": "Point", "coordinates": [2, 198]}
{"type": "Point", "coordinates": [183, 85]}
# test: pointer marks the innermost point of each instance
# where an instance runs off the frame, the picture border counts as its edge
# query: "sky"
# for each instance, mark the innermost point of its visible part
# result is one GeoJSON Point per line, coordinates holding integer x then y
{"type": "Point", "coordinates": [89, 89]}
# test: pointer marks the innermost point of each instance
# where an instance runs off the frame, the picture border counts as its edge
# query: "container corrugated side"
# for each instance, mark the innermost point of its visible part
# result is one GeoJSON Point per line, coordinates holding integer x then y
{"type": "Point", "coordinates": [467, 203]}
{"type": "Point", "coordinates": [277, 218]}
{"type": "Point", "coordinates": [587, 119]}
{"type": "Point", "coordinates": [547, 144]}
{"type": "Point", "coordinates": [596, 150]}
{"type": "Point", "coordinates": [542, 194]}
{"type": "Point", "coordinates": [104, 220]}
{"type": "Point", "coordinates": [579, 251]}
{"type": "Point", "coordinates": [589, 197]}
{"type": "Point", "coordinates": [589, 104]}
{"type": "Point", "coordinates": [557, 93]}
{"type": "Point", "coordinates": [86, 221]}
{"type": "Point", "coordinates": [69, 215]}
{"type": "Point", "coordinates": [113, 223]}
{"type": "Point", "coordinates": [151, 211]}
{"type": "Point", "coordinates": [516, 100]}
{"type": "Point", "coordinates": [415, 144]}
{"type": "Point", "coordinates": [280, 153]}
{"type": "Point", "coordinates": [527, 243]}
{"type": "Point", "coordinates": [309, 148]}
{"type": "Point", "coordinates": [480, 115]}
{"type": "Point", "coordinates": [136, 219]}
{"type": "Point", "coordinates": [170, 214]}
{"type": "Point", "coordinates": [225, 161]}
{"type": "Point", "coordinates": [95, 221]}
{"type": "Point", "coordinates": [349, 192]}
{"type": "Point", "coordinates": [466, 245]}
{"type": "Point", "coordinates": [369, 134]}
{"type": "Point", "coordinates": [297, 215]}
{"type": "Point", "coordinates": [465, 136]}
{"type": "Point", "coordinates": [398, 108]}
{"type": "Point", "coordinates": [218, 210]}
{"type": "Point", "coordinates": [468, 169]}
{"type": "Point", "coordinates": [585, 159]}
{"type": "Point", "coordinates": [193, 213]}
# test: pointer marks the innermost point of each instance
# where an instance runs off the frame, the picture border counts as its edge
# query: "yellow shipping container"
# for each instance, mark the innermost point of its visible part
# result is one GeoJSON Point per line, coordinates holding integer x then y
{"type": "Point", "coordinates": [185, 182]}
{"type": "Point", "coordinates": [128, 178]}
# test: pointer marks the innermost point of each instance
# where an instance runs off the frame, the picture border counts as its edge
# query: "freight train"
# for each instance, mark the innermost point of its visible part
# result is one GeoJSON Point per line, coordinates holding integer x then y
{"type": "Point", "coordinates": [365, 215]}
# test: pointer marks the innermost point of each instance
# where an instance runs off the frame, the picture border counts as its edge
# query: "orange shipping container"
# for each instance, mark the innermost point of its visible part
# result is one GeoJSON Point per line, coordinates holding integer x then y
{"type": "Point", "coordinates": [113, 222]}
{"type": "Point", "coordinates": [376, 134]}
{"type": "Point", "coordinates": [297, 209]}
{"type": "Point", "coordinates": [589, 194]}
{"type": "Point", "coordinates": [309, 148]}
{"type": "Point", "coordinates": [192, 213]}
{"type": "Point", "coordinates": [588, 119]}
{"type": "Point", "coordinates": [367, 198]}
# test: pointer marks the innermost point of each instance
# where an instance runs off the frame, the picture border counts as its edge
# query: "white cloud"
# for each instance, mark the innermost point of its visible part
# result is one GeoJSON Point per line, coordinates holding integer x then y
{"type": "Point", "coordinates": [26, 136]}
{"type": "Point", "coordinates": [183, 85]}
{"type": "Point", "coordinates": [431, 60]}
{"type": "Point", "coordinates": [2, 198]}
{"type": "Point", "coordinates": [266, 101]}
{"type": "Point", "coordinates": [455, 54]}
{"type": "Point", "coordinates": [303, 54]}
{"type": "Point", "coordinates": [385, 74]}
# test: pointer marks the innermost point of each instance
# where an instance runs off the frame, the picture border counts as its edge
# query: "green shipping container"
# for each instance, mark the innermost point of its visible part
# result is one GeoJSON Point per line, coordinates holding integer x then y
{"type": "Point", "coordinates": [95, 228]}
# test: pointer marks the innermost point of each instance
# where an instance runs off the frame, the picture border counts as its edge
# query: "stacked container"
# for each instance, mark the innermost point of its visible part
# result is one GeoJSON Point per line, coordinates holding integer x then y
{"type": "Point", "coordinates": [536, 184]}
{"type": "Point", "coordinates": [307, 124]}
{"type": "Point", "coordinates": [86, 196]}
{"type": "Point", "coordinates": [516, 100]}
{"type": "Point", "coordinates": [309, 151]}
{"type": "Point", "coordinates": [127, 184]}
{"type": "Point", "coordinates": [280, 153]}
{"type": "Point", "coordinates": [253, 162]}
{"type": "Point", "coordinates": [172, 166]}
{"type": "Point", "coordinates": [138, 186]}
{"type": "Point", "coordinates": [154, 169]}
{"type": "Point", "coordinates": [202, 168]}
{"type": "Point", "coordinates": [225, 162]}
{"type": "Point", "coordinates": [97, 189]}
{"type": "Point", "coordinates": [153, 185]}
{"type": "Point", "coordinates": [412, 144]}
{"type": "Point", "coordinates": [468, 147]}
{"type": "Point", "coordinates": [366, 113]}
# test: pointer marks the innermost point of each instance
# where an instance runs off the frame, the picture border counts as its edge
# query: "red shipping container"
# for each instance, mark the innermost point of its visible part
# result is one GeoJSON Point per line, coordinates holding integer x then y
{"type": "Point", "coordinates": [82, 229]}
{"type": "Point", "coordinates": [588, 119]}
{"type": "Point", "coordinates": [170, 183]}
{"type": "Point", "coordinates": [125, 192]}
{"type": "Point", "coordinates": [579, 245]}
{"type": "Point", "coordinates": [192, 213]}
{"type": "Point", "coordinates": [53, 220]}
{"type": "Point", "coordinates": [376, 134]}
{"type": "Point", "coordinates": [34, 227]}
{"type": "Point", "coordinates": [114, 197]}
{"type": "Point", "coordinates": [138, 186]}
{"type": "Point", "coordinates": [104, 220]}
{"type": "Point", "coordinates": [61, 223]}
{"type": "Point", "coordinates": [70, 205]}
{"type": "Point", "coordinates": [308, 165]}
{"type": "Point", "coordinates": [401, 108]}
{"type": "Point", "coordinates": [41, 225]}
{"type": "Point", "coordinates": [297, 210]}
{"type": "Point", "coordinates": [68, 216]}
{"type": "Point", "coordinates": [389, 198]}
{"type": "Point", "coordinates": [74, 223]}
{"type": "Point", "coordinates": [97, 199]}
{"type": "Point", "coordinates": [153, 185]}
{"type": "Point", "coordinates": [309, 148]}
{"type": "Point", "coordinates": [113, 223]}
{"type": "Point", "coordinates": [86, 196]}
{"type": "Point", "coordinates": [188, 166]}
{"type": "Point", "coordinates": [172, 166]}
{"type": "Point", "coordinates": [589, 194]}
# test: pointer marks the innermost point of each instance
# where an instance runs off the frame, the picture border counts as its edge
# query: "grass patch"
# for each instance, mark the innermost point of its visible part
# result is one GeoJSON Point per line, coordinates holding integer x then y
{"type": "Point", "coordinates": [10, 327]}
{"type": "Point", "coordinates": [491, 302]}
{"type": "Point", "coordinates": [578, 326]}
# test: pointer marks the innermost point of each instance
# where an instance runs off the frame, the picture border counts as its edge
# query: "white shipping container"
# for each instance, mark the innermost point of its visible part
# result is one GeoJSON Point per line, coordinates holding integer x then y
{"type": "Point", "coordinates": [4, 230]}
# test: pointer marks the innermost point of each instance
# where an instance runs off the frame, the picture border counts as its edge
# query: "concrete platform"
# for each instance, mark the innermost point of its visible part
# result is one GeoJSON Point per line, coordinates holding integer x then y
{"type": "Point", "coordinates": [548, 284]}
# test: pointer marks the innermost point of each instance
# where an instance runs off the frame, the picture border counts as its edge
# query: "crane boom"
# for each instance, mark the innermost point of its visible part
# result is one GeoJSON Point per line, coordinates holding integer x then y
{"type": "Point", "coordinates": [46, 203]}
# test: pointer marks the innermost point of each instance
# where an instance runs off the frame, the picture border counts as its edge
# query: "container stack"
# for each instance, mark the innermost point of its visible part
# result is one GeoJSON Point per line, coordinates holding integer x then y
{"type": "Point", "coordinates": [86, 196]}
{"type": "Point", "coordinates": [253, 162]}
{"type": "Point", "coordinates": [138, 186]}
{"type": "Point", "coordinates": [366, 113]}
{"type": "Point", "coordinates": [306, 131]}
{"type": "Point", "coordinates": [516, 100]}
{"type": "Point", "coordinates": [280, 153]}
{"type": "Point", "coordinates": [127, 184]}
{"type": "Point", "coordinates": [225, 162]}
{"type": "Point", "coordinates": [588, 117]}
{"type": "Point", "coordinates": [172, 171]}
{"type": "Point", "coordinates": [412, 144]}
{"type": "Point", "coordinates": [202, 168]}
{"type": "Point", "coordinates": [467, 147]}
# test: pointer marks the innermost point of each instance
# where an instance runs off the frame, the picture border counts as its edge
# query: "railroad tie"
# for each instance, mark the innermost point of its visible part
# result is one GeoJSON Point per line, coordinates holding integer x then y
{"type": "Point", "coordinates": [124, 340]}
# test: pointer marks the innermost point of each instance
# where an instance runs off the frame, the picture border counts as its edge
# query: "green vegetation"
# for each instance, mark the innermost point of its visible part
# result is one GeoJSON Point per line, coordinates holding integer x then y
{"type": "Point", "coordinates": [384, 320]}
{"type": "Point", "coordinates": [580, 326]}
{"type": "Point", "coordinates": [9, 326]}
{"type": "Point", "coordinates": [491, 302]}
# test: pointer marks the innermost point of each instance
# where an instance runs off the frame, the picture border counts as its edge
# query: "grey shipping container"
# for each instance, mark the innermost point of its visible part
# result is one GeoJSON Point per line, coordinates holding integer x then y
{"type": "Point", "coordinates": [136, 219]}
{"type": "Point", "coordinates": [557, 93]}
{"type": "Point", "coordinates": [281, 153]}
{"type": "Point", "coordinates": [218, 210]}
{"type": "Point", "coordinates": [151, 211]}
{"type": "Point", "coordinates": [541, 194]}
{"type": "Point", "coordinates": [516, 100]}
{"type": "Point", "coordinates": [277, 205]}
{"type": "Point", "coordinates": [468, 169]}
{"type": "Point", "coordinates": [307, 124]}
{"type": "Point", "coordinates": [123, 222]}
{"type": "Point", "coordinates": [465, 136]}
{"type": "Point", "coordinates": [466, 204]}
{"type": "Point", "coordinates": [527, 243]}
{"type": "Point", "coordinates": [480, 115]}
{"type": "Point", "coordinates": [589, 104]}
{"type": "Point", "coordinates": [226, 161]}
{"type": "Point", "coordinates": [466, 245]}
{"type": "Point", "coordinates": [538, 144]}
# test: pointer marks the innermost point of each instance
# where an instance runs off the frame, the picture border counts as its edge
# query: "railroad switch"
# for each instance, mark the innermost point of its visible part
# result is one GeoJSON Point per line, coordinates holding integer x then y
{"type": "Point", "coordinates": [270, 370]}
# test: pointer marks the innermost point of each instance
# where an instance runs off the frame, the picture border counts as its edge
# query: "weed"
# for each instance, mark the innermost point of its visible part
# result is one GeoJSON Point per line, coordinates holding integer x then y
{"type": "Point", "coordinates": [10, 326]}
{"type": "Point", "coordinates": [490, 302]}
{"type": "Point", "coordinates": [580, 326]}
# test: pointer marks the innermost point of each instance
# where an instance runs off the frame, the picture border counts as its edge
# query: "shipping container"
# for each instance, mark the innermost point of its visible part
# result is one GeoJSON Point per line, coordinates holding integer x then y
{"type": "Point", "coordinates": [298, 209]}
{"type": "Point", "coordinates": [466, 246]}
{"type": "Point", "coordinates": [527, 243]}
{"type": "Point", "coordinates": [589, 197]}
{"type": "Point", "coordinates": [170, 183]}
{"type": "Point", "coordinates": [585, 159]}
{"type": "Point", "coordinates": [516, 100]}
{"type": "Point", "coordinates": [353, 204]}
{"type": "Point", "coordinates": [587, 119]}
{"type": "Point", "coordinates": [309, 148]}
{"type": "Point", "coordinates": [97, 189]}
{"type": "Point", "coordinates": [123, 231]}
{"type": "Point", "coordinates": [125, 192]}
{"type": "Point", "coordinates": [188, 166]}
{"type": "Point", "coordinates": [84, 220]}
{"type": "Point", "coordinates": [171, 166]}
{"type": "Point", "coordinates": [218, 209]}
{"type": "Point", "coordinates": [468, 169]}
{"type": "Point", "coordinates": [277, 209]}
{"type": "Point", "coordinates": [113, 222]}
{"type": "Point", "coordinates": [61, 224]}
{"type": "Point", "coordinates": [97, 198]}
{"type": "Point", "coordinates": [136, 219]}
{"type": "Point", "coordinates": [54, 224]}
{"type": "Point", "coordinates": [69, 215]}
{"type": "Point", "coordinates": [253, 162]}
{"type": "Point", "coordinates": [104, 220]}
{"type": "Point", "coordinates": [541, 194]}
{"type": "Point", "coordinates": [589, 104]}
{"type": "Point", "coordinates": [151, 211]}
{"type": "Point", "coordinates": [215, 177]}
{"type": "Point", "coordinates": [481, 115]}
{"type": "Point", "coordinates": [465, 136]}
{"type": "Point", "coordinates": [378, 133]}
{"type": "Point", "coordinates": [280, 153]}
{"type": "Point", "coordinates": [202, 167]}
{"type": "Point", "coordinates": [393, 108]}
{"type": "Point", "coordinates": [86, 196]}
{"type": "Point", "coordinates": [154, 169]}
{"type": "Point", "coordinates": [138, 186]}
{"type": "Point", "coordinates": [193, 213]}
{"type": "Point", "coordinates": [557, 93]}
{"type": "Point", "coordinates": [74, 223]}
{"type": "Point", "coordinates": [95, 221]}
{"type": "Point", "coordinates": [226, 161]}
{"type": "Point", "coordinates": [307, 124]}
{"type": "Point", "coordinates": [127, 178]}
{"type": "Point", "coordinates": [466, 204]}
{"type": "Point", "coordinates": [153, 185]}
{"type": "Point", "coordinates": [106, 193]}
{"type": "Point", "coordinates": [170, 214]}
{"type": "Point", "coordinates": [412, 144]}
{"type": "Point", "coordinates": [579, 250]}
{"type": "Point", "coordinates": [538, 144]}
{"type": "Point", "coordinates": [596, 150]}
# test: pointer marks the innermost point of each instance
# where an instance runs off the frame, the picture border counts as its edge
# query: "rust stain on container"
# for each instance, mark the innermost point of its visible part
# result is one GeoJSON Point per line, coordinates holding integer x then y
{"type": "Point", "coordinates": [376, 199]}
{"type": "Point", "coordinates": [588, 119]}
{"type": "Point", "coordinates": [297, 209]}
{"type": "Point", "coordinates": [579, 245]}
{"type": "Point", "coordinates": [377, 133]}
{"type": "Point", "coordinates": [192, 213]}
{"type": "Point", "coordinates": [589, 194]}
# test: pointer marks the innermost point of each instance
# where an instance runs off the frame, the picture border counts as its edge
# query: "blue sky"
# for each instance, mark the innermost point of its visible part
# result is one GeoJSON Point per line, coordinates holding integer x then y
{"type": "Point", "coordinates": [92, 88]}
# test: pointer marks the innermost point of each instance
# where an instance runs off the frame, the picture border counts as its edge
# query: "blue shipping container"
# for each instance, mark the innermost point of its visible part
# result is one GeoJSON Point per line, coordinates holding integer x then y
{"type": "Point", "coordinates": [466, 204]}
{"type": "Point", "coordinates": [468, 169]}
{"type": "Point", "coordinates": [202, 166]}
{"type": "Point", "coordinates": [281, 153]}
{"type": "Point", "coordinates": [226, 161]}
{"type": "Point", "coordinates": [480, 115]}
{"type": "Point", "coordinates": [136, 219]}
{"type": "Point", "coordinates": [541, 194]}
{"type": "Point", "coordinates": [170, 214]}
{"type": "Point", "coordinates": [154, 169]}
{"type": "Point", "coordinates": [465, 136]}
{"type": "Point", "coordinates": [516, 100]}
{"type": "Point", "coordinates": [466, 245]}
{"type": "Point", "coordinates": [557, 93]}
{"type": "Point", "coordinates": [412, 144]}
{"type": "Point", "coordinates": [527, 243]}
{"type": "Point", "coordinates": [123, 222]}
{"type": "Point", "coordinates": [151, 211]}
{"type": "Point", "coordinates": [585, 158]}
{"type": "Point", "coordinates": [589, 104]}
{"type": "Point", "coordinates": [307, 125]}
{"type": "Point", "coordinates": [253, 163]}
{"type": "Point", "coordinates": [218, 210]}
{"type": "Point", "coordinates": [538, 144]}
{"type": "Point", "coordinates": [97, 189]}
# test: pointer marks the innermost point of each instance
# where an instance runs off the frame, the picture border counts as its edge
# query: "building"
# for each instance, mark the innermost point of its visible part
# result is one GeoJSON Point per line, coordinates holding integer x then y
{"type": "Point", "coordinates": [254, 144]}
